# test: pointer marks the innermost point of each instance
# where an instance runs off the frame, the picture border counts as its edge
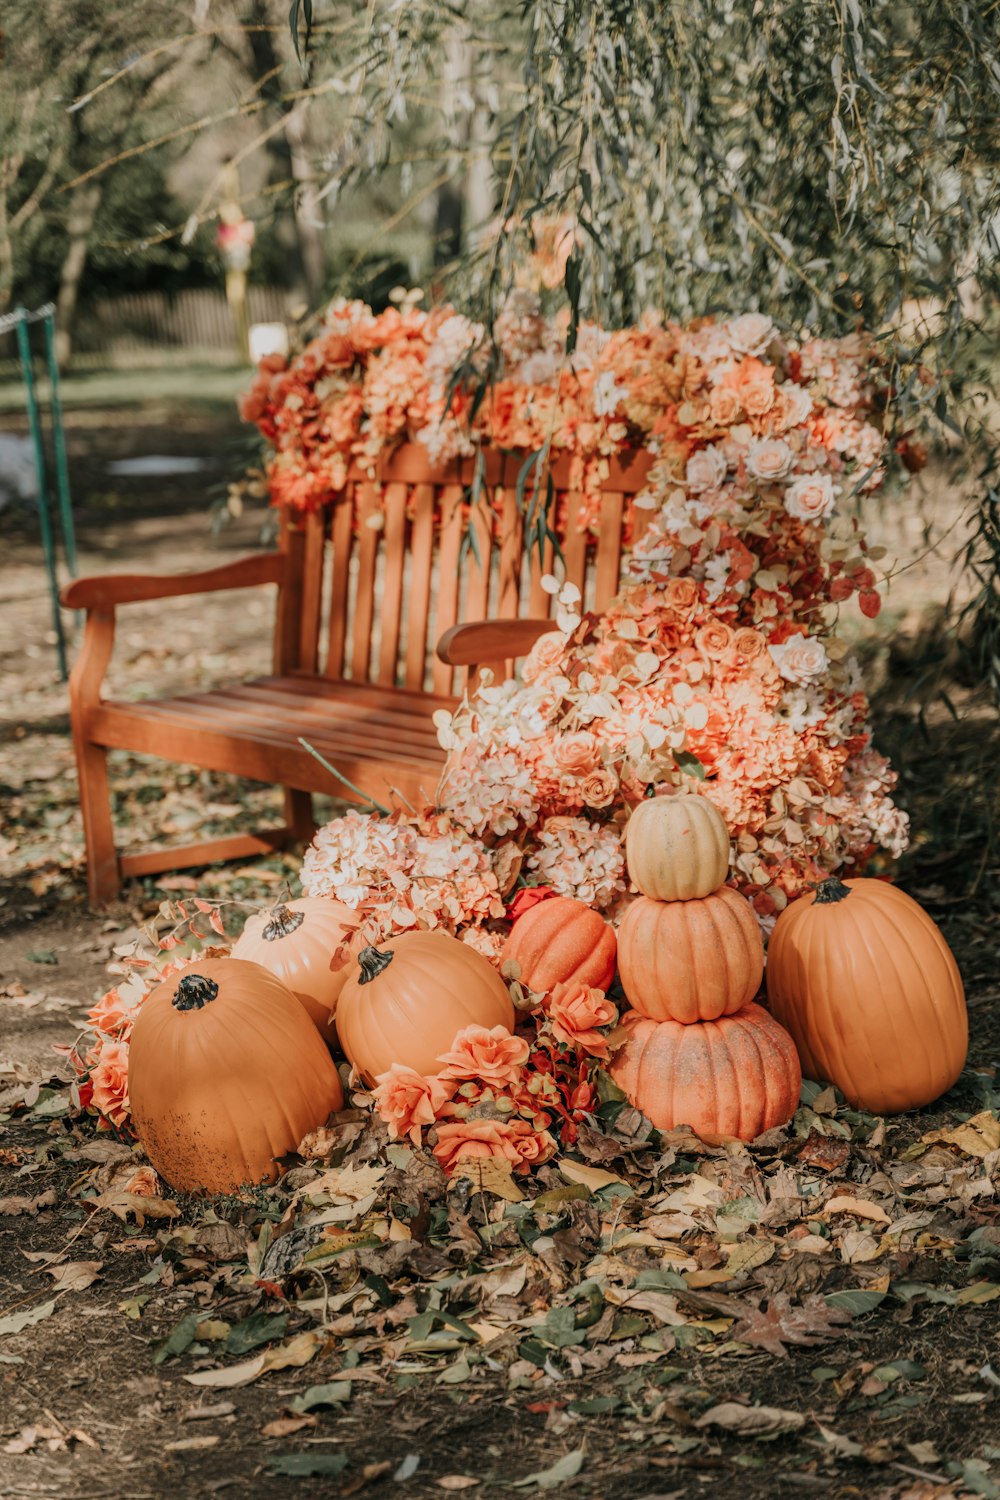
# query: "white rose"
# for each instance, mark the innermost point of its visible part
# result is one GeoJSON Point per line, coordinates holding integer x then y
{"type": "Point", "coordinates": [811, 497]}
{"type": "Point", "coordinates": [751, 333]}
{"type": "Point", "coordinates": [769, 459]}
{"type": "Point", "coordinates": [800, 659]}
{"type": "Point", "coordinates": [705, 469]}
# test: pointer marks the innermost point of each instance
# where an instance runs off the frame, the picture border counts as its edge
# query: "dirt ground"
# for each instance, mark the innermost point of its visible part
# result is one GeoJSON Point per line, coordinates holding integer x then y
{"type": "Point", "coordinates": [110, 1312]}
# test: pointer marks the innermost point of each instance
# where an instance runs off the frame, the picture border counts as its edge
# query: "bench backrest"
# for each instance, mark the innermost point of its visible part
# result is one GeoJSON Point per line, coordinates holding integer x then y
{"type": "Point", "coordinates": [370, 602]}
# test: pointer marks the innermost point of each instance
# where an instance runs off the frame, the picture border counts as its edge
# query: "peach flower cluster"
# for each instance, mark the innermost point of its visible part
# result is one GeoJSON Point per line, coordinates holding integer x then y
{"type": "Point", "coordinates": [715, 400]}
{"type": "Point", "coordinates": [501, 1095]}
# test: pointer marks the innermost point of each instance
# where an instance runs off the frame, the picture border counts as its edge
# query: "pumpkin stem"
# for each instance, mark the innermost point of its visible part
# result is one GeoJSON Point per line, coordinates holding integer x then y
{"type": "Point", "coordinates": [281, 922]}
{"type": "Point", "coordinates": [373, 963]}
{"type": "Point", "coordinates": [831, 891]}
{"type": "Point", "coordinates": [193, 991]}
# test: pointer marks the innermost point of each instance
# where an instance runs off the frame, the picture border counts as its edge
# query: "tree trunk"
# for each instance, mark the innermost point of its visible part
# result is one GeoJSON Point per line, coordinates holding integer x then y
{"type": "Point", "coordinates": [83, 206]}
{"type": "Point", "coordinates": [308, 208]}
{"type": "Point", "coordinates": [465, 203]}
{"type": "Point", "coordinates": [305, 273]}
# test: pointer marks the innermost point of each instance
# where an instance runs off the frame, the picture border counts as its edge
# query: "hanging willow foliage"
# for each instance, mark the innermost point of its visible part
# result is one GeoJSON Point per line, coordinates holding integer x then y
{"type": "Point", "coordinates": [830, 163]}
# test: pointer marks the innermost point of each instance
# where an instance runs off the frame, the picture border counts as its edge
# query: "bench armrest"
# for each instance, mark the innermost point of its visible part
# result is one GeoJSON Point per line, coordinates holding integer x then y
{"type": "Point", "coordinates": [490, 640]}
{"type": "Point", "coordinates": [106, 591]}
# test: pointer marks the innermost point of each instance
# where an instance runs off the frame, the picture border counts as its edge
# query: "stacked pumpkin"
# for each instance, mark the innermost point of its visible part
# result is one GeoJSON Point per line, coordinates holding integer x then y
{"type": "Point", "coordinates": [698, 1051]}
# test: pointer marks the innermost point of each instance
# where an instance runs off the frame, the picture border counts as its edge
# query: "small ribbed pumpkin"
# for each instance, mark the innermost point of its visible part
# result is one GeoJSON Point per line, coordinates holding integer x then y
{"type": "Point", "coordinates": [735, 1077]}
{"type": "Point", "coordinates": [406, 1001]}
{"type": "Point", "coordinates": [870, 991]}
{"type": "Point", "coordinates": [296, 941]}
{"type": "Point", "coordinates": [677, 848]}
{"type": "Point", "coordinates": [559, 940]}
{"type": "Point", "coordinates": [226, 1072]}
{"type": "Point", "coordinates": [690, 961]}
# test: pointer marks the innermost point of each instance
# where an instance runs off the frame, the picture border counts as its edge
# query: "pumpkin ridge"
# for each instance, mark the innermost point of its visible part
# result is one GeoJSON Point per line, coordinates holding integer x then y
{"type": "Point", "coordinates": [918, 1026]}
{"type": "Point", "coordinates": [757, 1039]}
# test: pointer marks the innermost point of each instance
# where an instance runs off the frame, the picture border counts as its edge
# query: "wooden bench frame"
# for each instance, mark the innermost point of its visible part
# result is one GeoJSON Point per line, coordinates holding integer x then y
{"type": "Point", "coordinates": [296, 570]}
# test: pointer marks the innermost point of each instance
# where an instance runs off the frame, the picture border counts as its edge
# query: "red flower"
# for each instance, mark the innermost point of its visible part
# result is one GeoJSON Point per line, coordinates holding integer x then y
{"type": "Point", "coordinates": [528, 897]}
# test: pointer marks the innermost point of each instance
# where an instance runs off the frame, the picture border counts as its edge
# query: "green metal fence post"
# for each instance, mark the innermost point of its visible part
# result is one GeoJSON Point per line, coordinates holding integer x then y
{"type": "Point", "coordinates": [59, 446]}
{"type": "Point", "coordinates": [45, 519]}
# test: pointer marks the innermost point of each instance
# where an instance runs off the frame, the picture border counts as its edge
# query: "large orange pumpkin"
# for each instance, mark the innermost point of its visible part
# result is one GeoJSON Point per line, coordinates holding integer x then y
{"type": "Point", "coordinates": [690, 960]}
{"type": "Point", "coordinates": [738, 1076]}
{"type": "Point", "coordinates": [868, 987]}
{"type": "Point", "coordinates": [677, 848]}
{"type": "Point", "coordinates": [226, 1072]}
{"type": "Point", "coordinates": [297, 941]}
{"type": "Point", "coordinates": [406, 1001]}
{"type": "Point", "coordinates": [559, 940]}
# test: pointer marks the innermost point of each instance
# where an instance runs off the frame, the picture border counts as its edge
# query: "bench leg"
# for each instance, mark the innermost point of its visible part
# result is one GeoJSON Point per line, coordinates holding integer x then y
{"type": "Point", "coordinates": [299, 815]}
{"type": "Point", "coordinates": [103, 871]}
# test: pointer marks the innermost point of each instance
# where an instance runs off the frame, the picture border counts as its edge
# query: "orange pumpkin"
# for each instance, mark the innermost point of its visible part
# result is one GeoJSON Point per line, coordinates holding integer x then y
{"type": "Point", "coordinates": [226, 1072]}
{"type": "Point", "coordinates": [297, 941]}
{"type": "Point", "coordinates": [562, 939]}
{"type": "Point", "coordinates": [869, 989]}
{"type": "Point", "coordinates": [677, 848]}
{"type": "Point", "coordinates": [407, 1000]}
{"type": "Point", "coordinates": [735, 1077]}
{"type": "Point", "coordinates": [690, 961]}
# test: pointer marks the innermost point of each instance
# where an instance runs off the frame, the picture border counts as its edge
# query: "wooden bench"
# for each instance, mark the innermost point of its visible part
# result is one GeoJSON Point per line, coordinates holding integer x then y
{"type": "Point", "coordinates": [359, 607]}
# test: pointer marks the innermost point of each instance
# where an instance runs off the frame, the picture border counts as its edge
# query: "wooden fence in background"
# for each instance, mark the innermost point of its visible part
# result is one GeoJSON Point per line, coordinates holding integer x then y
{"type": "Point", "coordinates": [197, 318]}
{"type": "Point", "coordinates": [136, 325]}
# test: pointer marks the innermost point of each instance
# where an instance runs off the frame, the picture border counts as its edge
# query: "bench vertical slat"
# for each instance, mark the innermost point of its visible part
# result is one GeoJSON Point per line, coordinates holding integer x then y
{"type": "Point", "coordinates": [539, 602]}
{"type": "Point", "coordinates": [511, 540]}
{"type": "Point", "coordinates": [477, 584]}
{"type": "Point", "coordinates": [574, 543]}
{"type": "Point", "coordinates": [364, 603]}
{"type": "Point", "coordinates": [642, 520]}
{"type": "Point", "coordinates": [342, 535]}
{"type": "Point", "coordinates": [391, 601]}
{"type": "Point", "coordinates": [609, 549]}
{"type": "Point", "coordinates": [311, 600]}
{"type": "Point", "coordinates": [421, 566]}
{"type": "Point", "coordinates": [286, 625]}
{"type": "Point", "coordinates": [446, 600]}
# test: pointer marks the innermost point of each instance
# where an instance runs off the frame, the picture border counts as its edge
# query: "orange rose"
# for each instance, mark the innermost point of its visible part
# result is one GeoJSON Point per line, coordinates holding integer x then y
{"type": "Point", "coordinates": [505, 1140]}
{"type": "Point", "coordinates": [681, 594]}
{"type": "Point", "coordinates": [576, 1011]}
{"type": "Point", "coordinates": [111, 1015]}
{"type": "Point", "coordinates": [546, 653]}
{"type": "Point", "coordinates": [749, 644]}
{"type": "Point", "coordinates": [757, 397]}
{"type": "Point", "coordinates": [714, 640]}
{"type": "Point", "coordinates": [494, 1056]}
{"type": "Point", "coordinates": [110, 1083]}
{"type": "Point", "coordinates": [576, 754]}
{"type": "Point", "coordinates": [599, 789]}
{"type": "Point", "coordinates": [406, 1100]}
{"type": "Point", "coordinates": [724, 406]}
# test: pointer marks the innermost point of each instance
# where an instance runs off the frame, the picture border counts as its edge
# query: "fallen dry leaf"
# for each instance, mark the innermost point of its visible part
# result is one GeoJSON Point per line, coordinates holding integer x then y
{"type": "Point", "coordinates": [457, 1482]}
{"type": "Point", "coordinates": [751, 1421]}
{"type": "Point", "coordinates": [976, 1137]}
{"type": "Point", "coordinates": [75, 1275]}
{"type": "Point", "coordinates": [192, 1444]}
{"type": "Point", "coordinates": [12, 1207]}
{"type": "Point", "coordinates": [297, 1351]}
{"type": "Point", "coordinates": [781, 1322]}
{"type": "Point", "coordinates": [861, 1208]}
{"type": "Point", "coordinates": [283, 1427]}
{"type": "Point", "coordinates": [588, 1177]}
{"type": "Point", "coordinates": [490, 1175]}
